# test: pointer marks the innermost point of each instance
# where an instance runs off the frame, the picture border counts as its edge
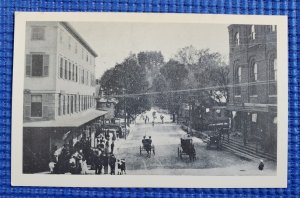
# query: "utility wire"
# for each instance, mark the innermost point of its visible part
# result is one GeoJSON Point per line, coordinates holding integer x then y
{"type": "Point", "coordinates": [196, 89]}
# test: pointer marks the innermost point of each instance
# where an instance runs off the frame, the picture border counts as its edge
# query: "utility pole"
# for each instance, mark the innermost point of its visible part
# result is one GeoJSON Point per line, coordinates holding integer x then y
{"type": "Point", "coordinates": [125, 116]}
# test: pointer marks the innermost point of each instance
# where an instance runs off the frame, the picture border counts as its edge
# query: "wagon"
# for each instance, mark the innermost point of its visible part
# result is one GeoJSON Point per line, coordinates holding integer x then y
{"type": "Point", "coordinates": [187, 147]}
{"type": "Point", "coordinates": [213, 140]}
{"type": "Point", "coordinates": [147, 146]}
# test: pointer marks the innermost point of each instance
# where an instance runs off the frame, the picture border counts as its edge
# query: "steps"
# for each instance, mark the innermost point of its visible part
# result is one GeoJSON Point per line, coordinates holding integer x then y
{"type": "Point", "coordinates": [247, 151]}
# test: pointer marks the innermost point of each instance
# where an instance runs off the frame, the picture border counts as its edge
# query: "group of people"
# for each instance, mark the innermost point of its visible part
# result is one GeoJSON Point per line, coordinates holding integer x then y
{"type": "Point", "coordinates": [147, 119]}
{"type": "Point", "coordinates": [70, 159]}
{"type": "Point", "coordinates": [75, 159]}
{"type": "Point", "coordinates": [147, 144]}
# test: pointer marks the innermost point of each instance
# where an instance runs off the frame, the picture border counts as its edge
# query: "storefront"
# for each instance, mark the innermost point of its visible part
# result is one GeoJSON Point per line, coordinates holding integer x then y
{"type": "Point", "coordinates": [45, 137]}
{"type": "Point", "coordinates": [255, 125]}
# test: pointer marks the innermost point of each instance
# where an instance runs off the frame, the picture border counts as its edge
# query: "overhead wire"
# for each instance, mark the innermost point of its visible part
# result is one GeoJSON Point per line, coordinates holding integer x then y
{"type": "Point", "coordinates": [196, 89]}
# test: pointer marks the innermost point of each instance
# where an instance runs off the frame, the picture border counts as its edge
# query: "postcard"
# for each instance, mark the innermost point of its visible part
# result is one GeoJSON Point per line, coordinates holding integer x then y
{"type": "Point", "coordinates": [149, 100]}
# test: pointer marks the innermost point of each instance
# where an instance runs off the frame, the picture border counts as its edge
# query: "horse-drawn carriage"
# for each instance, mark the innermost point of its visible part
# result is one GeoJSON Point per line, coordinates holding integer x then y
{"type": "Point", "coordinates": [187, 147]}
{"type": "Point", "coordinates": [147, 146]}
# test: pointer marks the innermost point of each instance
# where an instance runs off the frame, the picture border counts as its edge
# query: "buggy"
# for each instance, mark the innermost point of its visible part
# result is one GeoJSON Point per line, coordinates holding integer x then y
{"type": "Point", "coordinates": [147, 146]}
{"type": "Point", "coordinates": [187, 147]}
{"type": "Point", "coordinates": [213, 140]}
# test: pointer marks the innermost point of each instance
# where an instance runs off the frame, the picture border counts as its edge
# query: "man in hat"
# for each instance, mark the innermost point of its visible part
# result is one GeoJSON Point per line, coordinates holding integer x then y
{"type": "Point", "coordinates": [123, 167]}
{"type": "Point", "coordinates": [261, 165]}
{"type": "Point", "coordinates": [112, 164]}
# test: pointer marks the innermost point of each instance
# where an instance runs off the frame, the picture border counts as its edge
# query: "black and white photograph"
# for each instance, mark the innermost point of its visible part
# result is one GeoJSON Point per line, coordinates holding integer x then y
{"type": "Point", "coordinates": [115, 98]}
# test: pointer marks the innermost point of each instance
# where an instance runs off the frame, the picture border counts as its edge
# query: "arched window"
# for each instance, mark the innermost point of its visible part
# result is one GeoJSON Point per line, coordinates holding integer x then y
{"type": "Point", "coordinates": [237, 80]}
{"type": "Point", "coordinates": [273, 75]}
{"type": "Point", "coordinates": [237, 39]}
{"type": "Point", "coordinates": [253, 77]}
{"type": "Point", "coordinates": [253, 33]}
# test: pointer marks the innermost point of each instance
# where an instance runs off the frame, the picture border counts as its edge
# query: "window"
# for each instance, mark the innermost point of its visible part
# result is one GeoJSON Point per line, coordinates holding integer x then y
{"type": "Point", "coordinates": [238, 80]}
{"type": "Point", "coordinates": [68, 105]}
{"type": "Point", "coordinates": [75, 103]}
{"type": "Point", "coordinates": [69, 43]}
{"type": "Point", "coordinates": [66, 69]}
{"type": "Point", "coordinates": [273, 28]}
{"type": "Point", "coordinates": [37, 65]}
{"type": "Point", "coordinates": [76, 75]}
{"type": "Point", "coordinates": [82, 77]}
{"type": "Point", "coordinates": [273, 75]}
{"type": "Point", "coordinates": [72, 104]}
{"type": "Point", "coordinates": [253, 78]}
{"type": "Point", "coordinates": [73, 72]}
{"type": "Point", "coordinates": [64, 104]}
{"type": "Point", "coordinates": [61, 67]}
{"type": "Point", "coordinates": [59, 105]}
{"type": "Point", "coordinates": [237, 39]}
{"type": "Point", "coordinates": [82, 53]}
{"type": "Point", "coordinates": [79, 107]}
{"type": "Point", "coordinates": [87, 77]}
{"type": "Point", "coordinates": [61, 36]}
{"type": "Point", "coordinates": [36, 106]}
{"type": "Point", "coordinates": [38, 33]}
{"type": "Point", "coordinates": [76, 48]}
{"type": "Point", "coordinates": [253, 34]}
{"type": "Point", "coordinates": [70, 70]}
{"type": "Point", "coordinates": [87, 57]}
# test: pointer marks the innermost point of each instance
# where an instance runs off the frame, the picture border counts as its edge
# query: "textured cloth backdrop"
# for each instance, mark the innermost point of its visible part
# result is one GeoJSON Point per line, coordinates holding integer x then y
{"type": "Point", "coordinates": [258, 7]}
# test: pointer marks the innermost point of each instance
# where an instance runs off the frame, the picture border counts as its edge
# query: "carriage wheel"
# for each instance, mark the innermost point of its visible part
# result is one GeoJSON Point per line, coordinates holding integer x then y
{"type": "Point", "coordinates": [140, 150]}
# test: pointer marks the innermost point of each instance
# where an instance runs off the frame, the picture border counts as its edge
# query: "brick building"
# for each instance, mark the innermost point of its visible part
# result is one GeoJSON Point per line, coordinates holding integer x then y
{"type": "Point", "coordinates": [59, 91]}
{"type": "Point", "coordinates": [253, 95]}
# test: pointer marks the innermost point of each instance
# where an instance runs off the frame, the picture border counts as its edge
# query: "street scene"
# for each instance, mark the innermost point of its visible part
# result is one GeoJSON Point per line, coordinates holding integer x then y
{"type": "Point", "coordinates": [166, 138]}
{"type": "Point", "coordinates": [97, 102]}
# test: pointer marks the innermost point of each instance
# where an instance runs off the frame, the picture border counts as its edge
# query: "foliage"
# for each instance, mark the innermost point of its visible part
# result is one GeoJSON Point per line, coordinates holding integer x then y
{"type": "Point", "coordinates": [146, 72]}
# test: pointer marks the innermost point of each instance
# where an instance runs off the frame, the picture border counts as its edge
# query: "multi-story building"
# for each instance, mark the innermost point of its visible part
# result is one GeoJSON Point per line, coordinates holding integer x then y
{"type": "Point", "coordinates": [59, 90]}
{"type": "Point", "coordinates": [253, 92]}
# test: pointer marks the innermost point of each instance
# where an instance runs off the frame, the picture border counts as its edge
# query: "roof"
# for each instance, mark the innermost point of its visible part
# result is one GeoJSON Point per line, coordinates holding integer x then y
{"type": "Point", "coordinates": [74, 33]}
{"type": "Point", "coordinates": [72, 121]}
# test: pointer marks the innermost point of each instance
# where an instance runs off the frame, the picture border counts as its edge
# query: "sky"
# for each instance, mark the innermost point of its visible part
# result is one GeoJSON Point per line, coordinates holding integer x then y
{"type": "Point", "coordinates": [113, 42]}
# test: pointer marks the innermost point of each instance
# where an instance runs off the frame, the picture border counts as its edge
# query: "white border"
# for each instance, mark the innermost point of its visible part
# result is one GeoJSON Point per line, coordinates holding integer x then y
{"type": "Point", "coordinates": [20, 179]}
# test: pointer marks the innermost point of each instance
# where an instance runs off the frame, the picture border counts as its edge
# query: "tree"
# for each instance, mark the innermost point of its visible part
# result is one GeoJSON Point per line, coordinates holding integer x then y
{"type": "Point", "coordinates": [127, 77]}
{"type": "Point", "coordinates": [206, 69]}
{"type": "Point", "coordinates": [175, 74]}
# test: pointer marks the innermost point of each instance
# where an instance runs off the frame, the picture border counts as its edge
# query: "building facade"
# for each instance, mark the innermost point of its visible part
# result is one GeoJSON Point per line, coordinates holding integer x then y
{"type": "Point", "coordinates": [59, 90]}
{"type": "Point", "coordinates": [253, 84]}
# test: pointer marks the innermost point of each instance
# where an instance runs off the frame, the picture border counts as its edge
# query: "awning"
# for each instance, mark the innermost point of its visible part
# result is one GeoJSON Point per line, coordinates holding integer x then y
{"type": "Point", "coordinates": [252, 107]}
{"type": "Point", "coordinates": [70, 121]}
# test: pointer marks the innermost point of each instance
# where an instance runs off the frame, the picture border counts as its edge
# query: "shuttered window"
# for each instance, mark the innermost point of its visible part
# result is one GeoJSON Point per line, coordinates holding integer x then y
{"type": "Point", "coordinates": [37, 65]}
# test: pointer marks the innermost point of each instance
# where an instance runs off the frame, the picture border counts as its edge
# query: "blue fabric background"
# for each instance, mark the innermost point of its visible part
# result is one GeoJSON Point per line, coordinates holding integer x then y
{"type": "Point", "coordinates": [7, 9]}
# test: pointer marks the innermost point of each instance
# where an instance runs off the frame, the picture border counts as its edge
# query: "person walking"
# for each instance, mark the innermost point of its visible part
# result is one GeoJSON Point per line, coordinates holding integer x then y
{"type": "Point", "coordinates": [112, 146]}
{"type": "Point", "coordinates": [99, 163]}
{"type": "Point", "coordinates": [112, 164]}
{"type": "Point", "coordinates": [162, 118]}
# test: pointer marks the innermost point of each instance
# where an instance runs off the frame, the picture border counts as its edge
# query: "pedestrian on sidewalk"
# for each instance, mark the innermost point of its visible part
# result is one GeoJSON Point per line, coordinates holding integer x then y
{"type": "Point", "coordinates": [123, 167]}
{"type": "Point", "coordinates": [112, 146]}
{"type": "Point", "coordinates": [99, 163]}
{"type": "Point", "coordinates": [105, 164]}
{"type": "Point", "coordinates": [112, 164]}
{"type": "Point", "coordinates": [162, 118]}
